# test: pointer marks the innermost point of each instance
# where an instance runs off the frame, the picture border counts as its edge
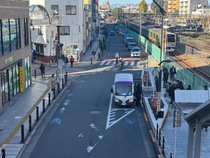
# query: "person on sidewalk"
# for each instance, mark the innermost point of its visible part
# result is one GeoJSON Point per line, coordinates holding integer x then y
{"type": "Point", "coordinates": [42, 68]}
{"type": "Point", "coordinates": [165, 76]}
{"type": "Point", "coordinates": [116, 57]}
{"type": "Point", "coordinates": [72, 61]}
{"type": "Point", "coordinates": [138, 94]}
{"type": "Point", "coordinates": [172, 73]}
{"type": "Point", "coordinates": [53, 82]}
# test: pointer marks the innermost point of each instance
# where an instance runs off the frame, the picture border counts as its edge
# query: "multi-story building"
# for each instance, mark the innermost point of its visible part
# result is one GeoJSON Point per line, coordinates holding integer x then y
{"type": "Point", "coordinates": [187, 6]}
{"type": "Point", "coordinates": [66, 27]}
{"type": "Point", "coordinates": [172, 6]}
{"type": "Point", "coordinates": [15, 50]}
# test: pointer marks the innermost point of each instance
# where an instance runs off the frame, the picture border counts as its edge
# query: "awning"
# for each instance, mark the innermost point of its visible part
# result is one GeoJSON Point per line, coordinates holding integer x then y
{"type": "Point", "coordinates": [40, 40]}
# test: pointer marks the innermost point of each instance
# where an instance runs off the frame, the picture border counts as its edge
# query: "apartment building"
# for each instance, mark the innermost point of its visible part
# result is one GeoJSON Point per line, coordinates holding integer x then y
{"type": "Point", "coordinates": [187, 6]}
{"type": "Point", "coordinates": [172, 6]}
{"type": "Point", "coordinates": [15, 50]}
{"type": "Point", "coordinates": [66, 27]}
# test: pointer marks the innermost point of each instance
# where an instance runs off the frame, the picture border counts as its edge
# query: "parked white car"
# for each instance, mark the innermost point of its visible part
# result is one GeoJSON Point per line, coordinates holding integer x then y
{"type": "Point", "coordinates": [135, 52]}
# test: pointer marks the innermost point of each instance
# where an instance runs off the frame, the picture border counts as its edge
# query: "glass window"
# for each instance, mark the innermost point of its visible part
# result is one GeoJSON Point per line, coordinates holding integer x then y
{"type": "Point", "coordinates": [64, 30]}
{"type": "Point", "coordinates": [1, 52]}
{"type": "Point", "coordinates": [10, 82]}
{"type": "Point", "coordinates": [71, 10]}
{"type": "Point", "coordinates": [55, 9]}
{"type": "Point", "coordinates": [26, 35]}
{"type": "Point", "coordinates": [40, 30]}
{"type": "Point", "coordinates": [10, 35]}
{"type": "Point", "coordinates": [4, 85]}
{"type": "Point", "coordinates": [123, 89]}
{"type": "Point", "coordinates": [39, 48]}
{"type": "Point", "coordinates": [6, 36]}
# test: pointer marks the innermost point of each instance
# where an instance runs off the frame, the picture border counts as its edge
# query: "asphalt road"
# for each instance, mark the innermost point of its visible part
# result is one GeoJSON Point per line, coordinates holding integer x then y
{"type": "Point", "coordinates": [85, 124]}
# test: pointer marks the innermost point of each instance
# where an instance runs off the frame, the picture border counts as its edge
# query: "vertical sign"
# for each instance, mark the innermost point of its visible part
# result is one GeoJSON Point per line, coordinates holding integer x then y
{"type": "Point", "coordinates": [21, 77]}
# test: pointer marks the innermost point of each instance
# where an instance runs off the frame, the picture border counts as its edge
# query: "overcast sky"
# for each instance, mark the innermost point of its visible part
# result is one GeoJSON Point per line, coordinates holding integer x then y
{"type": "Point", "coordinates": [124, 1]}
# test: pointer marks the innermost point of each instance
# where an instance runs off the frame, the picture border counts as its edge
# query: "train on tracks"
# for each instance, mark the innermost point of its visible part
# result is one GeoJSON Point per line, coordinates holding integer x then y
{"type": "Point", "coordinates": [153, 33]}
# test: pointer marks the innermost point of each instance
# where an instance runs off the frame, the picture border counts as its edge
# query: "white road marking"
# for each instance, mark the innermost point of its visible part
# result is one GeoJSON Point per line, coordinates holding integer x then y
{"type": "Point", "coordinates": [132, 63]}
{"type": "Point", "coordinates": [102, 63]}
{"type": "Point", "coordinates": [111, 114]}
{"type": "Point", "coordinates": [99, 135]}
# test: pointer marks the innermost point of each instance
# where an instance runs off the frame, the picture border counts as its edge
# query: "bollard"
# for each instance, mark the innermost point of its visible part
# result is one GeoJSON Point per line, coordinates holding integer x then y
{"type": "Point", "coordinates": [22, 133]}
{"type": "Point", "coordinates": [43, 103]}
{"type": "Point", "coordinates": [48, 99]}
{"type": "Point", "coordinates": [35, 73]}
{"type": "Point", "coordinates": [91, 61]}
{"type": "Point", "coordinates": [37, 114]}
{"type": "Point", "coordinates": [53, 93]}
{"type": "Point", "coordinates": [157, 132]}
{"type": "Point", "coordinates": [58, 87]}
{"type": "Point", "coordinates": [66, 78]}
{"type": "Point", "coordinates": [99, 56]}
{"type": "Point", "coordinates": [159, 137]}
{"type": "Point", "coordinates": [171, 155]}
{"type": "Point", "coordinates": [3, 153]}
{"type": "Point", "coordinates": [62, 84]}
{"type": "Point", "coordinates": [163, 149]}
{"type": "Point", "coordinates": [30, 125]}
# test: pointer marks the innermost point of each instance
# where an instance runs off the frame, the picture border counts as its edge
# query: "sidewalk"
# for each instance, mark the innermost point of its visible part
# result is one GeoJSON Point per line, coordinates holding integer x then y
{"type": "Point", "coordinates": [16, 112]}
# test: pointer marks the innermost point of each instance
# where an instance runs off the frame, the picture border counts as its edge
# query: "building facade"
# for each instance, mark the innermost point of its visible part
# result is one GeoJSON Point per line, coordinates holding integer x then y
{"type": "Point", "coordinates": [15, 49]}
{"type": "Point", "coordinates": [187, 6]}
{"type": "Point", "coordinates": [172, 6]}
{"type": "Point", "coordinates": [66, 27]}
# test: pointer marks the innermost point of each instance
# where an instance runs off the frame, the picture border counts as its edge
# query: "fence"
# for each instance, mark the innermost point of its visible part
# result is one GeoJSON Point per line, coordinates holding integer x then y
{"type": "Point", "coordinates": [29, 122]}
{"type": "Point", "coordinates": [183, 74]}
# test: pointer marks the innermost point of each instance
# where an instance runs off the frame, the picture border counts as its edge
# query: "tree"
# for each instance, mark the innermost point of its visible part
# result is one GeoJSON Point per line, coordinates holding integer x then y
{"type": "Point", "coordinates": [143, 7]}
{"type": "Point", "coordinates": [116, 12]}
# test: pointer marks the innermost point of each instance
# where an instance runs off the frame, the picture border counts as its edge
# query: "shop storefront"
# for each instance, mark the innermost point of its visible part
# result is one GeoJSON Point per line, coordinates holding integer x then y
{"type": "Point", "coordinates": [12, 80]}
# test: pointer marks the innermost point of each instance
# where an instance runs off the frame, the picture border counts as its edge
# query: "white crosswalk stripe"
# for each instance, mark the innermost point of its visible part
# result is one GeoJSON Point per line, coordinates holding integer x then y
{"type": "Point", "coordinates": [126, 63]}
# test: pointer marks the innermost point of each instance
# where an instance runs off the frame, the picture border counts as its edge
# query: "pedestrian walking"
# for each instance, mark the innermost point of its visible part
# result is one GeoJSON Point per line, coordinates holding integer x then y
{"type": "Point", "coordinates": [53, 82]}
{"type": "Point", "coordinates": [165, 76]}
{"type": "Point", "coordinates": [117, 57]}
{"type": "Point", "coordinates": [72, 61]}
{"type": "Point", "coordinates": [42, 68]}
{"type": "Point", "coordinates": [66, 62]}
{"type": "Point", "coordinates": [172, 73]}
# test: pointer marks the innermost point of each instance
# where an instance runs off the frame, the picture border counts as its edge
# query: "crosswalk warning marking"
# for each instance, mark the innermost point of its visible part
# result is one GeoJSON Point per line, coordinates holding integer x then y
{"type": "Point", "coordinates": [108, 63]}
{"type": "Point", "coordinates": [126, 63]}
{"type": "Point", "coordinates": [103, 62]}
{"type": "Point", "coordinates": [132, 63]}
{"type": "Point", "coordinates": [112, 119]}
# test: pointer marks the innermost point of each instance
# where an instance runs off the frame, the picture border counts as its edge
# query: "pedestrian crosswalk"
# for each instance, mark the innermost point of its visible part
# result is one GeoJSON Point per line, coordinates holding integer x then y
{"type": "Point", "coordinates": [128, 63]}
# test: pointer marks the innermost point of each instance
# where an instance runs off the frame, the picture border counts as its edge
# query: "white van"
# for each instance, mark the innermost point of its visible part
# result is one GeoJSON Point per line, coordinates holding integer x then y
{"type": "Point", "coordinates": [123, 89]}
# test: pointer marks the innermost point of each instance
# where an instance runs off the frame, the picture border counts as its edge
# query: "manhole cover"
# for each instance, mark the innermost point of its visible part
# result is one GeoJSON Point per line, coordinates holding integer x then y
{"type": "Point", "coordinates": [95, 112]}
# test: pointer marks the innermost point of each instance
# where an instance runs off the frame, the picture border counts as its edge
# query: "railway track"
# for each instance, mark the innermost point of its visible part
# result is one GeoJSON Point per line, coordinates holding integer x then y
{"type": "Point", "coordinates": [203, 71]}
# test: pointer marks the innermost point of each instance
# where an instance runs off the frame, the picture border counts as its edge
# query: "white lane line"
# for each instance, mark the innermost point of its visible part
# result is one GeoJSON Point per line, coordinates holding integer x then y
{"type": "Point", "coordinates": [126, 63]}
{"type": "Point", "coordinates": [109, 111]}
{"type": "Point", "coordinates": [108, 62]}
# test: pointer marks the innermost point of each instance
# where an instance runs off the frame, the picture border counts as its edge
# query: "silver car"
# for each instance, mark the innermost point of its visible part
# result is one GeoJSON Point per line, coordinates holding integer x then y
{"type": "Point", "coordinates": [135, 52]}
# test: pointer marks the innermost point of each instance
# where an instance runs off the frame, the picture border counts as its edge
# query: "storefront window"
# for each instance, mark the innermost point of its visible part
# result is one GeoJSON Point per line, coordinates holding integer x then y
{"type": "Point", "coordinates": [4, 85]}
{"type": "Point", "coordinates": [27, 72]}
{"type": "Point", "coordinates": [10, 82]}
{"type": "Point", "coordinates": [1, 53]}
